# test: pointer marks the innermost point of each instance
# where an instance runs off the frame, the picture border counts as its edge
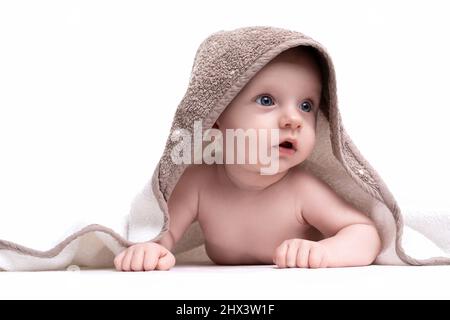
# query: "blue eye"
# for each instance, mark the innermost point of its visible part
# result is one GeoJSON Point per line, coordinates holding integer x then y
{"type": "Point", "coordinates": [265, 100]}
{"type": "Point", "coordinates": [306, 106]}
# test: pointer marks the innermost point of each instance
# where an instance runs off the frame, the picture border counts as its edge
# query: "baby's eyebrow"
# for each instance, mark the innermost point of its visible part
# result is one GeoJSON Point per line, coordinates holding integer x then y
{"type": "Point", "coordinates": [277, 86]}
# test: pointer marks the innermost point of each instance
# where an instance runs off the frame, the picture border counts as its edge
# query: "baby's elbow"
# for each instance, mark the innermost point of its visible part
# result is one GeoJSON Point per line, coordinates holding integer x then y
{"type": "Point", "coordinates": [370, 243]}
{"type": "Point", "coordinates": [375, 243]}
{"type": "Point", "coordinates": [378, 241]}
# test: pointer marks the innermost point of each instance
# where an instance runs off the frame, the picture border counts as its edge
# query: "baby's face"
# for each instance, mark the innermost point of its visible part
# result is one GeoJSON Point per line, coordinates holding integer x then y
{"type": "Point", "coordinates": [284, 95]}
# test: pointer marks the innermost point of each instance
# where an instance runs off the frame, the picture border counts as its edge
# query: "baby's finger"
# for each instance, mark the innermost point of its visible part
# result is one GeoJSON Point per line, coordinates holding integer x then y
{"type": "Point", "coordinates": [151, 257]}
{"type": "Point", "coordinates": [166, 261]}
{"type": "Point", "coordinates": [324, 262]}
{"type": "Point", "coordinates": [118, 260]}
{"type": "Point", "coordinates": [280, 255]}
{"type": "Point", "coordinates": [315, 257]}
{"type": "Point", "coordinates": [126, 262]}
{"type": "Point", "coordinates": [303, 255]}
{"type": "Point", "coordinates": [138, 259]}
{"type": "Point", "coordinates": [291, 255]}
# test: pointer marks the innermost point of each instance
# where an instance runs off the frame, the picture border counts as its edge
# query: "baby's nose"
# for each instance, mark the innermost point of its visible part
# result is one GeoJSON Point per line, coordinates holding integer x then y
{"type": "Point", "coordinates": [290, 119]}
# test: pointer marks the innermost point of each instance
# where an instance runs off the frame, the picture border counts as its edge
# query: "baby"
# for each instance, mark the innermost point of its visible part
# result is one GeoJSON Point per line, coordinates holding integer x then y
{"type": "Point", "coordinates": [289, 218]}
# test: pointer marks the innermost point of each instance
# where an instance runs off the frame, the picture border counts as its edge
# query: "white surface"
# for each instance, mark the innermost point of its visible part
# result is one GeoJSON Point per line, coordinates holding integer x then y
{"type": "Point", "coordinates": [232, 282]}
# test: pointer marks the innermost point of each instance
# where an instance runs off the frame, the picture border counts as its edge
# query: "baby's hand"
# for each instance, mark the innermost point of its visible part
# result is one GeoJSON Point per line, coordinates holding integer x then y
{"type": "Point", "coordinates": [144, 257]}
{"type": "Point", "coordinates": [301, 253]}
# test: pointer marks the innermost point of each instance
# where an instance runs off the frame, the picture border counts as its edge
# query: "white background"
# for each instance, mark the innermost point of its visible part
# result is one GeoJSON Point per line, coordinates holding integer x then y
{"type": "Point", "coordinates": [88, 90]}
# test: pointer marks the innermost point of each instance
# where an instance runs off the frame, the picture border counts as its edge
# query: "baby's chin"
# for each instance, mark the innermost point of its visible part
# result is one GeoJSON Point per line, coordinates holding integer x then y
{"type": "Point", "coordinates": [272, 168]}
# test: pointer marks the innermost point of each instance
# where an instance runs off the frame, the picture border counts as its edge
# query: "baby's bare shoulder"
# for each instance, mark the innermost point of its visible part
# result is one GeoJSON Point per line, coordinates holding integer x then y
{"type": "Point", "coordinates": [322, 206]}
{"type": "Point", "coordinates": [305, 179]}
{"type": "Point", "coordinates": [188, 187]}
{"type": "Point", "coordinates": [199, 170]}
{"type": "Point", "coordinates": [196, 174]}
{"type": "Point", "coordinates": [312, 187]}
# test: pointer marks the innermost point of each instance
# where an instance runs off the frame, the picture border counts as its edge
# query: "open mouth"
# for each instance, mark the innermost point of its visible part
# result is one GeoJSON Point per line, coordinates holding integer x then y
{"type": "Point", "coordinates": [288, 147]}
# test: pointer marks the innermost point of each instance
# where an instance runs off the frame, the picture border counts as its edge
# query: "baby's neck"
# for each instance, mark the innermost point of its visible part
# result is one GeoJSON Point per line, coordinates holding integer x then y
{"type": "Point", "coordinates": [248, 180]}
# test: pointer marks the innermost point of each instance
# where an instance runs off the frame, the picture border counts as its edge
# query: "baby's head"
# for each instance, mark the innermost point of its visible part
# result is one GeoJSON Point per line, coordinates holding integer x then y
{"type": "Point", "coordinates": [286, 95]}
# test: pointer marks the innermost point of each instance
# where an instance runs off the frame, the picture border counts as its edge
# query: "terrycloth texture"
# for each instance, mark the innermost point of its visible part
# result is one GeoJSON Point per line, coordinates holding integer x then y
{"type": "Point", "coordinates": [223, 64]}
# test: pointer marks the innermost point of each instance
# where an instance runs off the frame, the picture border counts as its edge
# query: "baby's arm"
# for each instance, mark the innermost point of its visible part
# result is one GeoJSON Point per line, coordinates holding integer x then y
{"type": "Point", "coordinates": [351, 238]}
{"type": "Point", "coordinates": [157, 255]}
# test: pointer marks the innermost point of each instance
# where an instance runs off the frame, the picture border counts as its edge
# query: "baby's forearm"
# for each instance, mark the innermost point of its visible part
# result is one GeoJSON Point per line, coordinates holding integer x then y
{"type": "Point", "coordinates": [167, 241]}
{"type": "Point", "coordinates": [354, 245]}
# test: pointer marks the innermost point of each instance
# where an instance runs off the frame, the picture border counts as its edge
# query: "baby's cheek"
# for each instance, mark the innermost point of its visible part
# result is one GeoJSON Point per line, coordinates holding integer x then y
{"type": "Point", "coordinates": [307, 142]}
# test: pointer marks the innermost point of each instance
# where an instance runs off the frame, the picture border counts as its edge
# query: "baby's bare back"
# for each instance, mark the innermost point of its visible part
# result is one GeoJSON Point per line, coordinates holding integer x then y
{"type": "Point", "coordinates": [245, 227]}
